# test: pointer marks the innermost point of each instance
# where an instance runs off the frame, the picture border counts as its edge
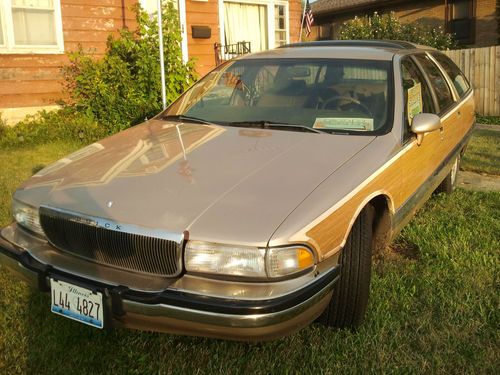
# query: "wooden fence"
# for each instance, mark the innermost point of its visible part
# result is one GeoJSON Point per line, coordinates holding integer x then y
{"type": "Point", "coordinates": [482, 68]}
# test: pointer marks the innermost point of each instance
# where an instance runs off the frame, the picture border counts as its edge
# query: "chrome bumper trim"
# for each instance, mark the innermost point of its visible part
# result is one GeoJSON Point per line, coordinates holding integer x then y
{"type": "Point", "coordinates": [226, 320]}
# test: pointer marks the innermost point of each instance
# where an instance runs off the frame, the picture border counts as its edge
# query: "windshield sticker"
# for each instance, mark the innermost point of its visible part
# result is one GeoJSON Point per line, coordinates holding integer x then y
{"type": "Point", "coordinates": [346, 123]}
{"type": "Point", "coordinates": [414, 101]}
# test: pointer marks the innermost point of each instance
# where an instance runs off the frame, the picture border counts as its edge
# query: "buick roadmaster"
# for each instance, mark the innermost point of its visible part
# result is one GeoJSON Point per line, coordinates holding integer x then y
{"type": "Point", "coordinates": [252, 205]}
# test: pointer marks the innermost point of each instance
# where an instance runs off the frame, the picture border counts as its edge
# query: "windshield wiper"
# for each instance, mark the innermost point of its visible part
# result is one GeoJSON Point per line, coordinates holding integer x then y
{"type": "Point", "coordinates": [188, 118]}
{"type": "Point", "coordinates": [272, 125]}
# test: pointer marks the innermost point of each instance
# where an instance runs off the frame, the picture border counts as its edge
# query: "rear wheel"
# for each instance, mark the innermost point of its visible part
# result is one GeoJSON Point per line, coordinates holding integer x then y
{"type": "Point", "coordinates": [347, 307]}
{"type": "Point", "coordinates": [450, 181]}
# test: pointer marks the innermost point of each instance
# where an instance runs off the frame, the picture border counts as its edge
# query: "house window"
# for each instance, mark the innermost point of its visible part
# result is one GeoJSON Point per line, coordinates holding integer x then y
{"type": "Point", "coordinates": [2, 42]}
{"type": "Point", "coordinates": [460, 20]}
{"type": "Point", "coordinates": [262, 23]}
{"type": "Point", "coordinates": [149, 6]}
{"type": "Point", "coordinates": [246, 23]}
{"type": "Point", "coordinates": [31, 26]}
{"type": "Point", "coordinates": [280, 25]}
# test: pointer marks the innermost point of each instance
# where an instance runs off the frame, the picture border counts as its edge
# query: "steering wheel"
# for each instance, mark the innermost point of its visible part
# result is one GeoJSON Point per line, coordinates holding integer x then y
{"type": "Point", "coordinates": [356, 102]}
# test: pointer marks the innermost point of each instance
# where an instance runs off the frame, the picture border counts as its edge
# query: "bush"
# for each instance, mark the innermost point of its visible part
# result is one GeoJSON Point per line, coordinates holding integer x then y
{"type": "Point", "coordinates": [124, 87]}
{"type": "Point", "coordinates": [388, 26]}
{"type": "Point", "coordinates": [64, 124]}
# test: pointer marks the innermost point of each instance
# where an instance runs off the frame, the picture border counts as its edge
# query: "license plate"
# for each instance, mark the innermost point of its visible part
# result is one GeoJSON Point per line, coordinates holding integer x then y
{"type": "Point", "coordinates": [77, 303]}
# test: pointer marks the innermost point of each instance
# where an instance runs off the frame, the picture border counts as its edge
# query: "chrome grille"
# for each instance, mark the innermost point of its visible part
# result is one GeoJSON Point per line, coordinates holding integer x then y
{"type": "Point", "coordinates": [86, 238]}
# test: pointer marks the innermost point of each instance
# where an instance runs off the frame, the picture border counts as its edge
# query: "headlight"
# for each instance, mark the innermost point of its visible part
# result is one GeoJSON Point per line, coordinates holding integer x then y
{"type": "Point", "coordinates": [219, 259]}
{"type": "Point", "coordinates": [27, 216]}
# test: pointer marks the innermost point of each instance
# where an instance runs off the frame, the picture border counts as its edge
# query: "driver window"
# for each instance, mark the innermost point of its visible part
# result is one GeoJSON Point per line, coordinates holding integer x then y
{"type": "Point", "coordinates": [417, 97]}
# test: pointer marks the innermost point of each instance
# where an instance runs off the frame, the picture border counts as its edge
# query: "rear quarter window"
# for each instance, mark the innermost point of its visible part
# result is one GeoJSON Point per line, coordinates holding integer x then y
{"type": "Point", "coordinates": [456, 76]}
{"type": "Point", "coordinates": [438, 81]}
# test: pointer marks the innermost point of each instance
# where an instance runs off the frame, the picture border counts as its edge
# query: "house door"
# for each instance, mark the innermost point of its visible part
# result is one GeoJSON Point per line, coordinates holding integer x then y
{"type": "Point", "coordinates": [246, 23]}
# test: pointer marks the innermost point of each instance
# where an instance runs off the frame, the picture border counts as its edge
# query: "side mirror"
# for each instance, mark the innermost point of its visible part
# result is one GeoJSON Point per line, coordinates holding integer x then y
{"type": "Point", "coordinates": [424, 123]}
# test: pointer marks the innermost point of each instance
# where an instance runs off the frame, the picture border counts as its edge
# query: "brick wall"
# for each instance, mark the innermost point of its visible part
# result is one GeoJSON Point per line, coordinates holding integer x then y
{"type": "Point", "coordinates": [487, 23]}
{"type": "Point", "coordinates": [295, 10]}
{"type": "Point", "coordinates": [431, 12]}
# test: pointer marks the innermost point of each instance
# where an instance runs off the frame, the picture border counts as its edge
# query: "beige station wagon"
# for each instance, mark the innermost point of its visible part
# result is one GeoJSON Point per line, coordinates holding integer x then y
{"type": "Point", "coordinates": [251, 206]}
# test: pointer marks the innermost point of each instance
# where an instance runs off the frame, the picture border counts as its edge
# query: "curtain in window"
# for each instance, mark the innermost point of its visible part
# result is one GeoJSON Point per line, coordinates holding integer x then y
{"type": "Point", "coordinates": [1, 28]}
{"type": "Point", "coordinates": [246, 23]}
{"type": "Point", "coordinates": [34, 22]}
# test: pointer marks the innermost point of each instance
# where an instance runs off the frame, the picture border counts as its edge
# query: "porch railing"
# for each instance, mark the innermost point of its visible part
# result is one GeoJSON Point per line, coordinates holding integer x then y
{"type": "Point", "coordinates": [230, 51]}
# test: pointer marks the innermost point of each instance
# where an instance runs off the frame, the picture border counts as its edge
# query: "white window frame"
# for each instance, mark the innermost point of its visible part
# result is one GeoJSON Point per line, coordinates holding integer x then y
{"type": "Point", "coordinates": [271, 41]}
{"type": "Point", "coordinates": [287, 21]}
{"type": "Point", "coordinates": [9, 46]}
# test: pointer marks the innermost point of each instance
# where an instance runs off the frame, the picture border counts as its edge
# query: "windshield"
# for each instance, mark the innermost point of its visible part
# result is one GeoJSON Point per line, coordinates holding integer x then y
{"type": "Point", "coordinates": [324, 94]}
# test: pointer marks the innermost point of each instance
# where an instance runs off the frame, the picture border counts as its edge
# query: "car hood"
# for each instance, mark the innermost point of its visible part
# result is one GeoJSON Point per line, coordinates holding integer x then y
{"type": "Point", "coordinates": [222, 184]}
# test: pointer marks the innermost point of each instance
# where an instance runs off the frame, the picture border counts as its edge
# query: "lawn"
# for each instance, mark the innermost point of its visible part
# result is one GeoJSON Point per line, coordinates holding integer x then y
{"type": "Point", "coordinates": [434, 308]}
{"type": "Point", "coordinates": [483, 153]}
{"type": "Point", "coordinates": [488, 120]}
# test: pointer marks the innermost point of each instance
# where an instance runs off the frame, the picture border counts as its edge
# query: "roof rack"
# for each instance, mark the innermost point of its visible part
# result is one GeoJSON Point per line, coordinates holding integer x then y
{"type": "Point", "coordinates": [396, 44]}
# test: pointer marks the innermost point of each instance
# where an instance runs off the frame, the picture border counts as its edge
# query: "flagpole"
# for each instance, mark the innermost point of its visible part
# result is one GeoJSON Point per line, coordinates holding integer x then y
{"type": "Point", "coordinates": [302, 23]}
{"type": "Point", "coordinates": [162, 62]}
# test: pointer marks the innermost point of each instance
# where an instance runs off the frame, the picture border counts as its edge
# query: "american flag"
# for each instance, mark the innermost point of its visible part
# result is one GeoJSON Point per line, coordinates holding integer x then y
{"type": "Point", "coordinates": [308, 17]}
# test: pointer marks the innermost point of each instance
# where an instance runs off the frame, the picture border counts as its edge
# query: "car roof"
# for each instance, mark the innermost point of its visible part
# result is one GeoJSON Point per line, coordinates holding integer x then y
{"type": "Point", "coordinates": [355, 49]}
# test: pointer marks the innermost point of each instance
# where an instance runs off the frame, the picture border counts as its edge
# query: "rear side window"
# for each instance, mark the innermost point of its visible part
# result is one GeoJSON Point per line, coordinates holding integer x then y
{"type": "Point", "coordinates": [456, 76]}
{"type": "Point", "coordinates": [441, 89]}
{"type": "Point", "coordinates": [414, 84]}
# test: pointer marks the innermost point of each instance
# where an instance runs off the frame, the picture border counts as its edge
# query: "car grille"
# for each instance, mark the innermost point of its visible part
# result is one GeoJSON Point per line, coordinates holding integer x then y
{"type": "Point", "coordinates": [83, 237]}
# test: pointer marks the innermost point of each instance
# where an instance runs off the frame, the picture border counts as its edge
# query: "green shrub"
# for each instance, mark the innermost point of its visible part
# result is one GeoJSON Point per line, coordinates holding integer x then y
{"type": "Point", "coordinates": [388, 26]}
{"type": "Point", "coordinates": [64, 124]}
{"type": "Point", "coordinates": [124, 87]}
{"type": "Point", "coordinates": [3, 126]}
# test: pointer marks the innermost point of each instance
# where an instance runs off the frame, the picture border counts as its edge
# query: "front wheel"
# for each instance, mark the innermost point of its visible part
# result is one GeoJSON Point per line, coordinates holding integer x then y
{"type": "Point", "coordinates": [450, 181]}
{"type": "Point", "coordinates": [349, 301]}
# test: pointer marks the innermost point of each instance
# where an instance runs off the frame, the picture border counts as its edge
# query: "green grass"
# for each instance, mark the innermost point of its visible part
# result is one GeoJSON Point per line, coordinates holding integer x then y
{"type": "Point", "coordinates": [488, 120]}
{"type": "Point", "coordinates": [483, 153]}
{"type": "Point", "coordinates": [434, 308]}
{"type": "Point", "coordinates": [17, 164]}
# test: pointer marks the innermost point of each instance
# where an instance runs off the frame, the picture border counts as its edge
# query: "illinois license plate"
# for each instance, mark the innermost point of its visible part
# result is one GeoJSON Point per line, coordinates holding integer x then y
{"type": "Point", "coordinates": [77, 303]}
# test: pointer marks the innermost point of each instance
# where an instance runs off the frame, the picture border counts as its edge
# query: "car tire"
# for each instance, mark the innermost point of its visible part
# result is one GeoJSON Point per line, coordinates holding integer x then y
{"type": "Point", "coordinates": [349, 300]}
{"type": "Point", "coordinates": [448, 184]}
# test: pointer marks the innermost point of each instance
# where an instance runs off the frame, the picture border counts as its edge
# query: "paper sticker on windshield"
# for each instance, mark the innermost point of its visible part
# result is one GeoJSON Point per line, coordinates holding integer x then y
{"type": "Point", "coordinates": [414, 101]}
{"type": "Point", "coordinates": [344, 123]}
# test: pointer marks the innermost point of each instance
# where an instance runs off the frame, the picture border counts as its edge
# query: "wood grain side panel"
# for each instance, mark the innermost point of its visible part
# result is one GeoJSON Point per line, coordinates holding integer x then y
{"type": "Point", "coordinates": [398, 180]}
{"type": "Point", "coordinates": [329, 234]}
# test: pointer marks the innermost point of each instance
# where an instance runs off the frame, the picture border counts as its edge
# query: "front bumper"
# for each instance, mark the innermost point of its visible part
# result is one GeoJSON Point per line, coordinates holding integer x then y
{"type": "Point", "coordinates": [180, 312]}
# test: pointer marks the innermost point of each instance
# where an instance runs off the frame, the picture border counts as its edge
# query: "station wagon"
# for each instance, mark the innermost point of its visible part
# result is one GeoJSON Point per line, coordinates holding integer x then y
{"type": "Point", "coordinates": [253, 204]}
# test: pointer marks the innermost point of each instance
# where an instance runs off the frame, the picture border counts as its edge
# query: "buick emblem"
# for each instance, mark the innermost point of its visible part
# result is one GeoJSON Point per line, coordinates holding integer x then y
{"type": "Point", "coordinates": [110, 203]}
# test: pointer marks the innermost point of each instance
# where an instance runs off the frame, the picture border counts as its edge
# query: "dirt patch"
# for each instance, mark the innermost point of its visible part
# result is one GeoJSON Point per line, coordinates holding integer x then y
{"type": "Point", "coordinates": [488, 127]}
{"type": "Point", "coordinates": [404, 249]}
{"type": "Point", "coordinates": [478, 182]}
